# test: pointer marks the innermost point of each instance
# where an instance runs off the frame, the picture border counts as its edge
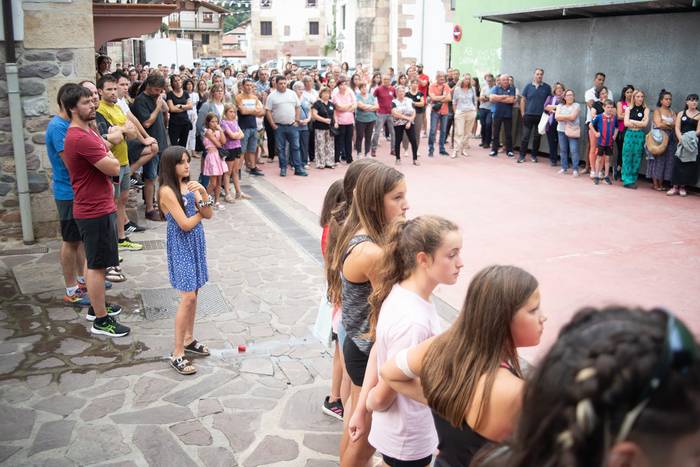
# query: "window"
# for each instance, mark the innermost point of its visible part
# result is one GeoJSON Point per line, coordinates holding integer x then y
{"type": "Point", "coordinates": [287, 30]}
{"type": "Point", "coordinates": [342, 16]}
{"type": "Point", "coordinates": [311, 3]}
{"type": "Point", "coordinates": [205, 38]}
{"type": "Point", "coordinates": [207, 17]}
{"type": "Point", "coordinates": [265, 28]}
{"type": "Point", "coordinates": [265, 3]}
{"type": "Point", "coordinates": [313, 28]}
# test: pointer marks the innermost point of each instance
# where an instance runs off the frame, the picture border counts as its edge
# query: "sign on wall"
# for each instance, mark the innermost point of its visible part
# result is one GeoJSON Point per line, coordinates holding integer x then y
{"type": "Point", "coordinates": [457, 33]}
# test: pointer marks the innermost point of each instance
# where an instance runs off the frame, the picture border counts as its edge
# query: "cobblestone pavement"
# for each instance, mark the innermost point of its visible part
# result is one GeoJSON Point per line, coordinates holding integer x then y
{"type": "Point", "coordinates": [67, 398]}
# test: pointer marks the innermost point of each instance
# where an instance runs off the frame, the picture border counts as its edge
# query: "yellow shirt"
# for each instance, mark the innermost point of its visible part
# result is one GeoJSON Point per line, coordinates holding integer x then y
{"type": "Point", "coordinates": [115, 117]}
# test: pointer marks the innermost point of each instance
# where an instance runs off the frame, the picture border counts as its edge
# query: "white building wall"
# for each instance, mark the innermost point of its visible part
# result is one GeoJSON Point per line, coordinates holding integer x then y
{"type": "Point", "coordinates": [437, 34]}
{"type": "Point", "coordinates": [187, 20]}
{"type": "Point", "coordinates": [347, 35]}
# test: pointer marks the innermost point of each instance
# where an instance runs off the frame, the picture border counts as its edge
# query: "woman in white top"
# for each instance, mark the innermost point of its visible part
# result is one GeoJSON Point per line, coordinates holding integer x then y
{"type": "Point", "coordinates": [192, 115]}
{"type": "Point", "coordinates": [464, 105]}
{"type": "Point", "coordinates": [419, 255]}
{"type": "Point", "coordinates": [567, 114]}
{"type": "Point", "coordinates": [403, 115]}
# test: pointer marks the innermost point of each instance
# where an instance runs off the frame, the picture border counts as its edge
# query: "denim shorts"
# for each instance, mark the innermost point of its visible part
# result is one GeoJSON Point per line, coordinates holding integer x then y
{"type": "Point", "coordinates": [250, 140]}
{"type": "Point", "coordinates": [150, 168]}
{"type": "Point", "coordinates": [124, 180]}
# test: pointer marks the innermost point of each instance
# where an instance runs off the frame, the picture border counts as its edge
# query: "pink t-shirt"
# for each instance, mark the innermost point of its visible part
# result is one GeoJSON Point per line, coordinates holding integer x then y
{"type": "Point", "coordinates": [344, 118]}
{"type": "Point", "coordinates": [406, 430]}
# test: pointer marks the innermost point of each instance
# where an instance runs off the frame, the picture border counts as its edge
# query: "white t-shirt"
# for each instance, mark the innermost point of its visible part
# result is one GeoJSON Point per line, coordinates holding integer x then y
{"type": "Point", "coordinates": [406, 430]}
{"type": "Point", "coordinates": [589, 96]}
{"type": "Point", "coordinates": [124, 106]}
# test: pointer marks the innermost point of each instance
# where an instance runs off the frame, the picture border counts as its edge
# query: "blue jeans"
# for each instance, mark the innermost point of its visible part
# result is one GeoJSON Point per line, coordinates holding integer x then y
{"type": "Point", "coordinates": [304, 145]}
{"type": "Point", "coordinates": [486, 123]}
{"type": "Point", "coordinates": [434, 117]}
{"type": "Point", "coordinates": [288, 134]}
{"type": "Point", "coordinates": [568, 146]}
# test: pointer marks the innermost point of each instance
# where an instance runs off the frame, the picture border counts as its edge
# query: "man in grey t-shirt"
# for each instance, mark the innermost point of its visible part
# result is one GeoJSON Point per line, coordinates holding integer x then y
{"type": "Point", "coordinates": [283, 114]}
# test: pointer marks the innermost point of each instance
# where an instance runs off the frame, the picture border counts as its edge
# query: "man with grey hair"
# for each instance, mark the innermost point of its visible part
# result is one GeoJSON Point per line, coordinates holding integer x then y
{"type": "Point", "coordinates": [385, 94]}
{"type": "Point", "coordinates": [503, 98]}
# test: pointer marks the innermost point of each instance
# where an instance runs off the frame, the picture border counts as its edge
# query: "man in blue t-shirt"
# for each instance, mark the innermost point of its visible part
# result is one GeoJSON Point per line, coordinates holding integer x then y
{"type": "Point", "coordinates": [72, 253]}
{"type": "Point", "coordinates": [502, 96]}
{"type": "Point", "coordinates": [531, 108]}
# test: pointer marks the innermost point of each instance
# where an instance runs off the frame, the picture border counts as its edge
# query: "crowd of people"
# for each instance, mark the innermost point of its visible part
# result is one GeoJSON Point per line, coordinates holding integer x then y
{"type": "Point", "coordinates": [619, 387]}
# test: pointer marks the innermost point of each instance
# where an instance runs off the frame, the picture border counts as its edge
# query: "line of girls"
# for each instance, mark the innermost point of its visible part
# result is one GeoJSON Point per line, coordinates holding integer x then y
{"type": "Point", "coordinates": [416, 390]}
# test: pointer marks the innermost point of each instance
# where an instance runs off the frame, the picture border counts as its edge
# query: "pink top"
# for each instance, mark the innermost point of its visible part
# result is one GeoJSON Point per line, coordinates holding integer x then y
{"type": "Point", "coordinates": [344, 118]}
{"type": "Point", "coordinates": [406, 430]}
{"type": "Point", "coordinates": [232, 126]}
{"type": "Point", "coordinates": [621, 121]}
{"type": "Point", "coordinates": [209, 144]}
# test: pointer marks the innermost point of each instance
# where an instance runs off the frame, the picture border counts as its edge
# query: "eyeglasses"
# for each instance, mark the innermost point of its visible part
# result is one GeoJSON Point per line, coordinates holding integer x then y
{"type": "Point", "coordinates": [679, 353]}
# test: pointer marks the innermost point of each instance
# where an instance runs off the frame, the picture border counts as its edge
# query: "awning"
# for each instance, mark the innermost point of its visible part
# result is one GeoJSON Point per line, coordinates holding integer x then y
{"type": "Point", "coordinates": [116, 21]}
{"type": "Point", "coordinates": [592, 10]}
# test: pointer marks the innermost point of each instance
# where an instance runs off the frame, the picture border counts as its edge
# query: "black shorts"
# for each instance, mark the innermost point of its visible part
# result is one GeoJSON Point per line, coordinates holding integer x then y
{"type": "Point", "coordinates": [605, 151]}
{"type": "Point", "coordinates": [69, 229]}
{"type": "Point", "coordinates": [232, 154]}
{"type": "Point", "coordinates": [99, 237]}
{"type": "Point", "coordinates": [355, 361]}
{"type": "Point", "coordinates": [135, 148]}
{"type": "Point", "coordinates": [390, 461]}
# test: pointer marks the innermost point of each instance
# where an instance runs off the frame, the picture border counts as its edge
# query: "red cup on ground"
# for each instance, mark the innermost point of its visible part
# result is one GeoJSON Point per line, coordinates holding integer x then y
{"type": "Point", "coordinates": [241, 348]}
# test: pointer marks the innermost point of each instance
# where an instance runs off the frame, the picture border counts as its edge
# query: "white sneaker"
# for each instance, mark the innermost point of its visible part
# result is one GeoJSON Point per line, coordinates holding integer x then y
{"type": "Point", "coordinates": [562, 171]}
{"type": "Point", "coordinates": [575, 173]}
{"type": "Point", "coordinates": [593, 175]}
{"type": "Point", "coordinates": [219, 207]}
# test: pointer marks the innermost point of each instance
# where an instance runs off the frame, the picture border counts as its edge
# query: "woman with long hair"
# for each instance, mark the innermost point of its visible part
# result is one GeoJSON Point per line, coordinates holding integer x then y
{"type": "Point", "coordinates": [179, 104]}
{"type": "Point", "coordinates": [619, 388]}
{"type": "Point", "coordinates": [664, 118]}
{"type": "Point", "coordinates": [470, 375]}
{"type": "Point", "coordinates": [419, 255]}
{"type": "Point", "coordinates": [183, 204]}
{"type": "Point", "coordinates": [379, 198]}
{"type": "Point", "coordinates": [624, 102]}
{"type": "Point", "coordinates": [636, 120]}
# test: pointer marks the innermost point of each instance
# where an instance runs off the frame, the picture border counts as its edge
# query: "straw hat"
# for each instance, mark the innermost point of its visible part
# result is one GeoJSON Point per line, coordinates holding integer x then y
{"type": "Point", "coordinates": [656, 142]}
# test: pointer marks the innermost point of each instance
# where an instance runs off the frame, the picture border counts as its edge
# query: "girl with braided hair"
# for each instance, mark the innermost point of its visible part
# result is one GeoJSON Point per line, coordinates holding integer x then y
{"type": "Point", "coordinates": [620, 387]}
{"type": "Point", "coordinates": [470, 375]}
{"type": "Point", "coordinates": [419, 254]}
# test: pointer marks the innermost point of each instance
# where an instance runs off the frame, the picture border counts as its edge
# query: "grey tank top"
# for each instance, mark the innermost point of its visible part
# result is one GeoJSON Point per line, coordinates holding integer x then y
{"type": "Point", "coordinates": [355, 302]}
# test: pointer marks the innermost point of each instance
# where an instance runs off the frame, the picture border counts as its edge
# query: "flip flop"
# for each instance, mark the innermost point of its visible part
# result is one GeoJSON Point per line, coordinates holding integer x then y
{"type": "Point", "coordinates": [197, 348]}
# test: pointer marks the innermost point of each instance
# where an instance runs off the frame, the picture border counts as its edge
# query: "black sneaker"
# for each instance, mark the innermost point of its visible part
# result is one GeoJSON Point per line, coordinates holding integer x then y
{"type": "Point", "coordinates": [112, 310]}
{"type": "Point", "coordinates": [533, 159]}
{"type": "Point", "coordinates": [108, 326]}
{"type": "Point", "coordinates": [257, 172]}
{"type": "Point", "coordinates": [608, 181]}
{"type": "Point", "coordinates": [510, 154]}
{"type": "Point", "coordinates": [493, 154]}
{"type": "Point", "coordinates": [596, 180]}
{"type": "Point", "coordinates": [131, 227]}
{"type": "Point", "coordinates": [521, 160]}
{"type": "Point", "coordinates": [334, 409]}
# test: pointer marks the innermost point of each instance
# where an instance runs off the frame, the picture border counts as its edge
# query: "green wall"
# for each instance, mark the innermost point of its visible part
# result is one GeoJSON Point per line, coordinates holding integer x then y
{"type": "Point", "coordinates": [479, 51]}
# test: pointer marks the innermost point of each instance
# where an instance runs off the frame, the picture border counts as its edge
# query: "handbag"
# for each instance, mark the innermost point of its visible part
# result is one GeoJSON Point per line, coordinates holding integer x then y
{"type": "Point", "coordinates": [572, 130]}
{"type": "Point", "coordinates": [542, 125]}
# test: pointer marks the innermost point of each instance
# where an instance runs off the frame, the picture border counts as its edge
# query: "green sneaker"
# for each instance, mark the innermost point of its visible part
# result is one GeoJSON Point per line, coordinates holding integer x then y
{"type": "Point", "coordinates": [127, 244]}
{"type": "Point", "coordinates": [112, 310]}
{"type": "Point", "coordinates": [108, 326]}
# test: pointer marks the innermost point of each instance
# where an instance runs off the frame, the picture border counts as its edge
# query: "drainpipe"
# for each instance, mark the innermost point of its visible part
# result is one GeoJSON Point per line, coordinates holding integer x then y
{"type": "Point", "coordinates": [422, 32]}
{"type": "Point", "coordinates": [16, 121]}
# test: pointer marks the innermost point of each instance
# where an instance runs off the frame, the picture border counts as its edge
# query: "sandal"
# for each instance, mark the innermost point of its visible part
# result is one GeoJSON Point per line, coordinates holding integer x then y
{"type": "Point", "coordinates": [197, 348]}
{"type": "Point", "coordinates": [114, 274]}
{"type": "Point", "coordinates": [182, 366]}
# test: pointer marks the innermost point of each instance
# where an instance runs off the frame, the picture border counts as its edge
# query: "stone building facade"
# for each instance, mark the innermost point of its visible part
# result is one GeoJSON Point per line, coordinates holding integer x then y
{"type": "Point", "coordinates": [57, 47]}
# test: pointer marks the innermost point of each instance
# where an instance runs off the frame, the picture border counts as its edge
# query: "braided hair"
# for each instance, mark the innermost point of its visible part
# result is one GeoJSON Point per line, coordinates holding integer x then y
{"type": "Point", "coordinates": [592, 377]}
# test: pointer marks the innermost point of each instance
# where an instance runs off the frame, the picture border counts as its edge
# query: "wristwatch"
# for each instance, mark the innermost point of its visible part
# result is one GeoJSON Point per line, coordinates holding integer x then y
{"type": "Point", "coordinates": [209, 202]}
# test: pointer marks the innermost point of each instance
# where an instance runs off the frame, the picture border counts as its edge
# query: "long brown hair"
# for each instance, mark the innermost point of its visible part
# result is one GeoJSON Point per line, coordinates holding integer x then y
{"type": "Point", "coordinates": [366, 212]}
{"type": "Point", "coordinates": [340, 213]}
{"type": "Point", "coordinates": [334, 196]}
{"type": "Point", "coordinates": [404, 240]}
{"type": "Point", "coordinates": [476, 344]}
{"type": "Point", "coordinates": [167, 174]}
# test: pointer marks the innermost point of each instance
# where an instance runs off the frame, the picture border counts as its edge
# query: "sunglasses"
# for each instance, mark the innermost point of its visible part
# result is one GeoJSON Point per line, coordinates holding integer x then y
{"type": "Point", "coordinates": [679, 353]}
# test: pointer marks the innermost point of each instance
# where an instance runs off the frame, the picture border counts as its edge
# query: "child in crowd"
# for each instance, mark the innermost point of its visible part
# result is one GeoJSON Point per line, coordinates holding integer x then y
{"type": "Point", "coordinates": [419, 255]}
{"type": "Point", "coordinates": [604, 127]}
{"type": "Point", "coordinates": [232, 152]}
{"type": "Point", "coordinates": [184, 204]}
{"type": "Point", "coordinates": [214, 165]}
{"type": "Point", "coordinates": [262, 139]}
{"type": "Point", "coordinates": [379, 198]}
{"type": "Point", "coordinates": [619, 388]}
{"type": "Point", "coordinates": [470, 375]}
{"type": "Point", "coordinates": [340, 385]}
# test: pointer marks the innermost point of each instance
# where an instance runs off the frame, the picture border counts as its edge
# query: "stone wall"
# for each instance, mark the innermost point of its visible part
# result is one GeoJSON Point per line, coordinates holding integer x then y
{"type": "Point", "coordinates": [58, 47]}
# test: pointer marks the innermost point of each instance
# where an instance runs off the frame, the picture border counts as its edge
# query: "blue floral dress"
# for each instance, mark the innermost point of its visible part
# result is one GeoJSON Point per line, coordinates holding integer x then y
{"type": "Point", "coordinates": [187, 251]}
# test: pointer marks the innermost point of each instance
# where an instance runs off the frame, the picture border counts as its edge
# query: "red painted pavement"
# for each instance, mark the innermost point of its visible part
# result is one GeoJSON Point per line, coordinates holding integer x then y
{"type": "Point", "coordinates": [586, 244]}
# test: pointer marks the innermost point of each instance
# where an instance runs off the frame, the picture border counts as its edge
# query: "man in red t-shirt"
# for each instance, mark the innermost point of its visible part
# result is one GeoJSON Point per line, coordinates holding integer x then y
{"type": "Point", "coordinates": [91, 168]}
{"type": "Point", "coordinates": [385, 94]}
{"type": "Point", "coordinates": [423, 83]}
{"type": "Point", "coordinates": [440, 95]}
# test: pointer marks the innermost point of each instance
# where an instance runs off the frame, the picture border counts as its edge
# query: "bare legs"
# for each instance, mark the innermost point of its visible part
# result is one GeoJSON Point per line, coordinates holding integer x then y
{"type": "Point", "coordinates": [184, 322]}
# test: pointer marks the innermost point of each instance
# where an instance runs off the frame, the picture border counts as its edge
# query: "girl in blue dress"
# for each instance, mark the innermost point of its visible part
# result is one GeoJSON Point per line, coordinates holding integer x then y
{"type": "Point", "coordinates": [183, 204]}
